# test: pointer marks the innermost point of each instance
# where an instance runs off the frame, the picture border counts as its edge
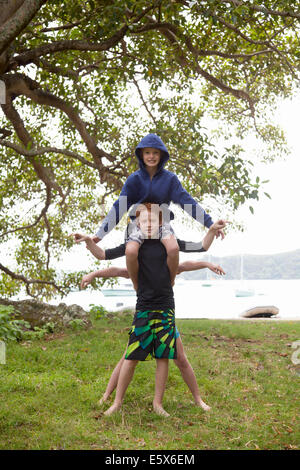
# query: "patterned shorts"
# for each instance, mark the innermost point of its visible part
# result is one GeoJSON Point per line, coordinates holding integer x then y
{"type": "Point", "coordinates": [153, 335]}
{"type": "Point", "coordinates": [134, 233]}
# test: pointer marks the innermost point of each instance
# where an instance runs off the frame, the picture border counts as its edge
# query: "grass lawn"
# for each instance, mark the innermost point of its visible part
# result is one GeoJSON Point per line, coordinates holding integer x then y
{"type": "Point", "coordinates": [49, 390]}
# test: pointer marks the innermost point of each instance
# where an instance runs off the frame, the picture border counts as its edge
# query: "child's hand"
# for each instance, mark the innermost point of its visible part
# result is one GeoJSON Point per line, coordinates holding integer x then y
{"type": "Point", "coordinates": [86, 280]}
{"type": "Point", "coordinates": [218, 226]}
{"type": "Point", "coordinates": [79, 237]}
{"type": "Point", "coordinates": [216, 269]}
{"type": "Point", "coordinates": [220, 232]}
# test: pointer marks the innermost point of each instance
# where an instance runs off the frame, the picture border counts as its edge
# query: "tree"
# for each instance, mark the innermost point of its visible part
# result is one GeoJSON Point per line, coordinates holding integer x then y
{"type": "Point", "coordinates": [85, 80]}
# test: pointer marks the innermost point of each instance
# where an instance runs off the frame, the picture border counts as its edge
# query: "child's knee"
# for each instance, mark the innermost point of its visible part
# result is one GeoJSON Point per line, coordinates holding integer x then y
{"type": "Point", "coordinates": [173, 249]}
{"type": "Point", "coordinates": [131, 363]}
{"type": "Point", "coordinates": [132, 249]}
{"type": "Point", "coordinates": [181, 361]}
{"type": "Point", "coordinates": [171, 246]}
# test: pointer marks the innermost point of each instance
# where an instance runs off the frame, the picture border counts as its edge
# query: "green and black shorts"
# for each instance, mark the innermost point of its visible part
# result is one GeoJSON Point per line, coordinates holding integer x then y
{"type": "Point", "coordinates": [153, 335]}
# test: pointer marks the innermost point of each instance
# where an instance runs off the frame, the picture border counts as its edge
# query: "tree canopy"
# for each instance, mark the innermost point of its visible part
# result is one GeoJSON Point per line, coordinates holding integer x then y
{"type": "Point", "coordinates": [85, 80]}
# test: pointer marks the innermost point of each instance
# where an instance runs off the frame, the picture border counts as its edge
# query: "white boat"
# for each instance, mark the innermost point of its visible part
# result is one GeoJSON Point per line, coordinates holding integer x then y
{"type": "Point", "coordinates": [118, 292]}
{"type": "Point", "coordinates": [243, 291]}
{"type": "Point", "coordinates": [121, 290]}
{"type": "Point", "coordinates": [263, 311]}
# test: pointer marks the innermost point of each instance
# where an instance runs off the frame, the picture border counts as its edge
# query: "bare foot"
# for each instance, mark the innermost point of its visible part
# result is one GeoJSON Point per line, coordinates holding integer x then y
{"type": "Point", "coordinates": [103, 399]}
{"type": "Point", "coordinates": [113, 409]}
{"type": "Point", "coordinates": [160, 411]}
{"type": "Point", "coordinates": [203, 405]}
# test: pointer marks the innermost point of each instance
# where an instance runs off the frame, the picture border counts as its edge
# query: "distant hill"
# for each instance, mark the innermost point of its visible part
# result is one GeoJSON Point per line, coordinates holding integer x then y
{"type": "Point", "coordinates": [277, 266]}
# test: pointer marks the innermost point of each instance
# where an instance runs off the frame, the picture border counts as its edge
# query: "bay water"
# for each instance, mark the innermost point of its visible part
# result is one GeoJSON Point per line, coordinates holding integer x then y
{"type": "Point", "coordinates": [208, 299]}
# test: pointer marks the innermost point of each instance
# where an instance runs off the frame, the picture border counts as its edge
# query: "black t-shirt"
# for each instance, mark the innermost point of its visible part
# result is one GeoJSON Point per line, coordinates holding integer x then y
{"type": "Point", "coordinates": [154, 285]}
{"type": "Point", "coordinates": [154, 288]}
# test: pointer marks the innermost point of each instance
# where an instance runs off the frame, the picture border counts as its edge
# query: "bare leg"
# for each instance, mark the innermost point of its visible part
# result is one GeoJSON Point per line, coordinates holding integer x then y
{"type": "Point", "coordinates": [183, 365]}
{"type": "Point", "coordinates": [125, 377]}
{"type": "Point", "coordinates": [171, 246]}
{"type": "Point", "coordinates": [188, 374]}
{"type": "Point", "coordinates": [132, 250]}
{"type": "Point", "coordinates": [161, 376]}
{"type": "Point", "coordinates": [113, 381]}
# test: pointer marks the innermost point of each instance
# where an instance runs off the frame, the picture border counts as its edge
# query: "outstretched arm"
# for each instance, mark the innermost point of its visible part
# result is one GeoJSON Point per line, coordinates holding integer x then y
{"type": "Point", "coordinates": [115, 271]}
{"type": "Point", "coordinates": [119, 208]}
{"type": "Point", "coordinates": [105, 273]}
{"type": "Point", "coordinates": [190, 205]}
{"type": "Point", "coordinates": [213, 231]}
{"type": "Point", "coordinates": [98, 252]}
{"type": "Point", "coordinates": [195, 265]}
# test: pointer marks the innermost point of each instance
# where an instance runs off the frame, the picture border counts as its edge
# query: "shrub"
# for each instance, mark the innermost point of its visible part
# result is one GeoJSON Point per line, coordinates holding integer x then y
{"type": "Point", "coordinates": [76, 324]}
{"type": "Point", "coordinates": [97, 311]}
{"type": "Point", "coordinates": [10, 328]}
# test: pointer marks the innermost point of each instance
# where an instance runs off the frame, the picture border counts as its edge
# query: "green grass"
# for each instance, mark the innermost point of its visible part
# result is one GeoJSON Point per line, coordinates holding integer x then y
{"type": "Point", "coordinates": [49, 390]}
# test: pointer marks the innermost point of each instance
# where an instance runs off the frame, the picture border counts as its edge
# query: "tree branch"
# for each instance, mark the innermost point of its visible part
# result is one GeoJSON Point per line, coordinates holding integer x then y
{"type": "Point", "coordinates": [66, 45]}
{"type": "Point", "coordinates": [170, 32]}
{"type": "Point", "coordinates": [28, 282]}
{"type": "Point", "coordinates": [22, 85]}
{"type": "Point", "coordinates": [143, 101]}
{"type": "Point", "coordinates": [8, 8]}
{"type": "Point", "coordinates": [43, 212]}
{"type": "Point", "coordinates": [42, 150]}
{"type": "Point", "coordinates": [55, 69]}
{"type": "Point", "coordinates": [43, 173]}
{"type": "Point", "coordinates": [16, 23]}
{"type": "Point", "coordinates": [58, 28]}
{"type": "Point", "coordinates": [263, 9]}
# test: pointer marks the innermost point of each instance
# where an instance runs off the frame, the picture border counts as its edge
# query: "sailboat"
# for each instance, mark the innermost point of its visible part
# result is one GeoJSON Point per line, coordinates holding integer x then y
{"type": "Point", "coordinates": [243, 292]}
{"type": "Point", "coordinates": [208, 277]}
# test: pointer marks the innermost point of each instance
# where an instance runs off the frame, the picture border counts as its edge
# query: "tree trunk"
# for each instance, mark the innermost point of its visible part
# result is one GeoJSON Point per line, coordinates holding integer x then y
{"type": "Point", "coordinates": [18, 20]}
{"type": "Point", "coordinates": [8, 8]}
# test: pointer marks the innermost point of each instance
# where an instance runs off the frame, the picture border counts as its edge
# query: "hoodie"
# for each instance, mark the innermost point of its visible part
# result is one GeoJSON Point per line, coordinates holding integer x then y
{"type": "Point", "coordinates": [163, 188]}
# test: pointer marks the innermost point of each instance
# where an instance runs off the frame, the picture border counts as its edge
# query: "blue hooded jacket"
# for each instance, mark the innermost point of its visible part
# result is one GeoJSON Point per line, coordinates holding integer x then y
{"type": "Point", "coordinates": [163, 188]}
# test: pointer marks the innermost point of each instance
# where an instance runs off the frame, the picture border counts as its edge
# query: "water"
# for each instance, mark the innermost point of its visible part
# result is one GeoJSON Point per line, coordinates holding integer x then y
{"type": "Point", "coordinates": [194, 299]}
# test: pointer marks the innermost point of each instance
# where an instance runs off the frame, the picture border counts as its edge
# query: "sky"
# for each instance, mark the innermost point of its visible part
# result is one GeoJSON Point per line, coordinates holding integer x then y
{"type": "Point", "coordinates": [275, 225]}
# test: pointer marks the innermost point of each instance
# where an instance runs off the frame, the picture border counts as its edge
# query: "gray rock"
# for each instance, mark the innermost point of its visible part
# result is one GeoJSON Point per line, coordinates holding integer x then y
{"type": "Point", "coordinates": [38, 313]}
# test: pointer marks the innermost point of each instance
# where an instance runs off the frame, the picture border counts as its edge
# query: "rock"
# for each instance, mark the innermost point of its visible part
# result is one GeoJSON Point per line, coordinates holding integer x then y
{"type": "Point", "coordinates": [38, 313]}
